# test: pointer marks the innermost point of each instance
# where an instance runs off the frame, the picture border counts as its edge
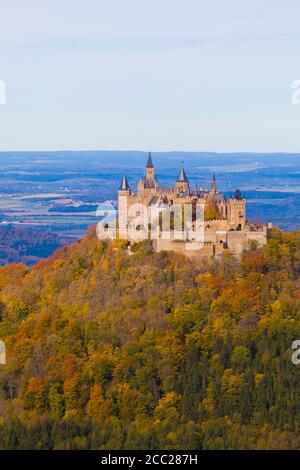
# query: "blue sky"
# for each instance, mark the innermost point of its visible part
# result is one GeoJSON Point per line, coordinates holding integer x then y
{"type": "Point", "coordinates": [167, 75]}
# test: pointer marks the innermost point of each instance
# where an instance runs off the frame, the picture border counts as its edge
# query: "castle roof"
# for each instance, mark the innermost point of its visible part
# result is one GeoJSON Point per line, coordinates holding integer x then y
{"type": "Point", "coordinates": [237, 194]}
{"type": "Point", "coordinates": [219, 197]}
{"type": "Point", "coordinates": [154, 200]}
{"type": "Point", "coordinates": [183, 194]}
{"type": "Point", "coordinates": [124, 186]}
{"type": "Point", "coordinates": [182, 175]}
{"type": "Point", "coordinates": [149, 162]}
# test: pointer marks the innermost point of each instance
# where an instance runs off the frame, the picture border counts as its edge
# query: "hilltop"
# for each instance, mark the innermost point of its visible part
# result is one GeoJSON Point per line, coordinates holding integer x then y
{"type": "Point", "coordinates": [153, 350]}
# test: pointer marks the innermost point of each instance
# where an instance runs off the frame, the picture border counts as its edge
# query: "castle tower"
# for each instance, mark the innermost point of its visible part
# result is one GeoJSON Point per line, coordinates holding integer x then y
{"type": "Point", "coordinates": [150, 170]}
{"type": "Point", "coordinates": [213, 191]}
{"type": "Point", "coordinates": [214, 184]}
{"type": "Point", "coordinates": [124, 186]}
{"type": "Point", "coordinates": [123, 204]}
{"type": "Point", "coordinates": [182, 183]}
{"type": "Point", "coordinates": [236, 211]}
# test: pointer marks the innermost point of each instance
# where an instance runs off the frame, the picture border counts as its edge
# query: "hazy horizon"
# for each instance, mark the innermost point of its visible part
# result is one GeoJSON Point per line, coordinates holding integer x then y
{"type": "Point", "coordinates": [143, 151]}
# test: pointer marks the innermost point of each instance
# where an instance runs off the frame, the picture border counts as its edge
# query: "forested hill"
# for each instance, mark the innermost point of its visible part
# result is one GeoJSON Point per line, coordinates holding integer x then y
{"type": "Point", "coordinates": [111, 351]}
{"type": "Point", "coordinates": [27, 245]}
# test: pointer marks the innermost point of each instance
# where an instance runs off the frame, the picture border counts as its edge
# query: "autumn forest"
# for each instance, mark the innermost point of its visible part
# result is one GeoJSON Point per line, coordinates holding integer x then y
{"type": "Point", "coordinates": [151, 350]}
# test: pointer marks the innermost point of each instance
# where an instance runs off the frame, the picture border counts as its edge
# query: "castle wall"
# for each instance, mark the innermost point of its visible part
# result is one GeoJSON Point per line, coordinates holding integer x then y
{"type": "Point", "coordinates": [260, 236]}
{"type": "Point", "coordinates": [215, 243]}
{"type": "Point", "coordinates": [191, 249]}
{"type": "Point", "coordinates": [136, 210]}
{"type": "Point", "coordinates": [238, 240]}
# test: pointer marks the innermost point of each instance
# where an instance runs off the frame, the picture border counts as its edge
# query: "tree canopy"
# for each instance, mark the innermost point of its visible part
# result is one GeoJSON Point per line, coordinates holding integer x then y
{"type": "Point", "coordinates": [152, 350]}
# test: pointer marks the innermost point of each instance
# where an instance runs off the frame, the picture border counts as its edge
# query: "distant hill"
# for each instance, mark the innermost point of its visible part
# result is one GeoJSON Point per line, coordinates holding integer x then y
{"type": "Point", "coordinates": [18, 244]}
{"type": "Point", "coordinates": [151, 350]}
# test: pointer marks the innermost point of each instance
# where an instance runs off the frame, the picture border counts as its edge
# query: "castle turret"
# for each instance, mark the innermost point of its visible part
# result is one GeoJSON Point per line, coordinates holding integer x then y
{"type": "Point", "coordinates": [182, 183]}
{"type": "Point", "coordinates": [213, 192]}
{"type": "Point", "coordinates": [237, 194]}
{"type": "Point", "coordinates": [236, 211]}
{"type": "Point", "coordinates": [150, 170]}
{"type": "Point", "coordinates": [124, 186]}
{"type": "Point", "coordinates": [214, 184]}
{"type": "Point", "coordinates": [123, 204]}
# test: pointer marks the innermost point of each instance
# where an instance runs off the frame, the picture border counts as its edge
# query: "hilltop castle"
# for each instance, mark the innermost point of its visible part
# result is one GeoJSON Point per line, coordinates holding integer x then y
{"type": "Point", "coordinates": [224, 225]}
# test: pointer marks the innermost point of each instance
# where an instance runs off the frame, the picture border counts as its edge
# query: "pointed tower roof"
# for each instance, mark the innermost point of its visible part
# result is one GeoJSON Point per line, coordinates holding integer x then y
{"type": "Point", "coordinates": [149, 162]}
{"type": "Point", "coordinates": [182, 175]}
{"type": "Point", "coordinates": [237, 194]}
{"type": "Point", "coordinates": [124, 184]}
{"type": "Point", "coordinates": [214, 182]}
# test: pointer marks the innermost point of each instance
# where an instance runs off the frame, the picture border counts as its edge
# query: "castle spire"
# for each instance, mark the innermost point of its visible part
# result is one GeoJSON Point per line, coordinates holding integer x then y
{"type": "Point", "coordinates": [214, 183]}
{"type": "Point", "coordinates": [124, 184]}
{"type": "Point", "coordinates": [150, 172]}
{"type": "Point", "coordinates": [149, 162]}
{"type": "Point", "coordinates": [182, 176]}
